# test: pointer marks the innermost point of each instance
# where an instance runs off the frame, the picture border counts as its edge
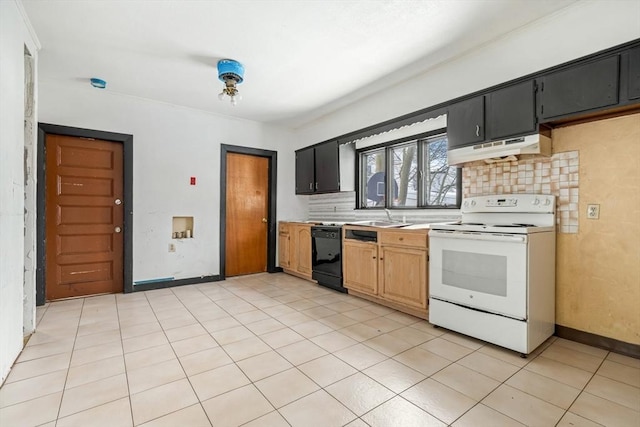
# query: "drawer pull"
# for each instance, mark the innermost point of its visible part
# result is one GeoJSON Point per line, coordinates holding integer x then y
{"type": "Point", "coordinates": [401, 239]}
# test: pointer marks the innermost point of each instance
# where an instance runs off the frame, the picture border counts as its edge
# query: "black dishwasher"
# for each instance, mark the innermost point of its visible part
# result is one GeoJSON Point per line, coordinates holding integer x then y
{"type": "Point", "coordinates": [326, 257]}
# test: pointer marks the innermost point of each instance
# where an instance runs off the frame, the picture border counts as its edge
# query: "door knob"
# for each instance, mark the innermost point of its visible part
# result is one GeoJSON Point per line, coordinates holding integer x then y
{"type": "Point", "coordinates": [117, 229]}
{"type": "Point", "coordinates": [118, 202]}
{"type": "Point", "coordinates": [264, 220]}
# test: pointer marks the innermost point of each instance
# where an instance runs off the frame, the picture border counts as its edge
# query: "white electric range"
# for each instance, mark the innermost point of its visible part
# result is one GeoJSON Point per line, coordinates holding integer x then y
{"type": "Point", "coordinates": [492, 274]}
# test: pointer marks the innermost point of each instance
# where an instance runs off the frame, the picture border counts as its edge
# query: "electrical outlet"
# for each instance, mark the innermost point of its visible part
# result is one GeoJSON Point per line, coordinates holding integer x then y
{"type": "Point", "coordinates": [172, 247]}
{"type": "Point", "coordinates": [593, 211]}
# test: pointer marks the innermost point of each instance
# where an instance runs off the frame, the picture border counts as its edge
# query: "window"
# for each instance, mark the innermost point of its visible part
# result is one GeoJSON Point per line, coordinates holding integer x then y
{"type": "Point", "coordinates": [419, 175]}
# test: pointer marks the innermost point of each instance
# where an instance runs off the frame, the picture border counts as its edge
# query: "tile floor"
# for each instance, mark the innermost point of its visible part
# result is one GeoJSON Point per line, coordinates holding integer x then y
{"type": "Point", "coordinates": [274, 350]}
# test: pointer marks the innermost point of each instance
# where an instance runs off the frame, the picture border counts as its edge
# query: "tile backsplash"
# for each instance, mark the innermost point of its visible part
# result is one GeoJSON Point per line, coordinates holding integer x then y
{"type": "Point", "coordinates": [557, 175]}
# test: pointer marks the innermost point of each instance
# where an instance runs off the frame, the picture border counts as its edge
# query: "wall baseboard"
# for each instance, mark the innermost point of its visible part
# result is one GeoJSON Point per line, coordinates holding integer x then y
{"type": "Point", "coordinates": [171, 283]}
{"type": "Point", "coordinates": [627, 349]}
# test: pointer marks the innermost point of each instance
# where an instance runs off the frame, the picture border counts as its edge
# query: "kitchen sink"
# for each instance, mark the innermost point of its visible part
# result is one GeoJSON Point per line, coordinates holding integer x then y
{"type": "Point", "coordinates": [380, 224]}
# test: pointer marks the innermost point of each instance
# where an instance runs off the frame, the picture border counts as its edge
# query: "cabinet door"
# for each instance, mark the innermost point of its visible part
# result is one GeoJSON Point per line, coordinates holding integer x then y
{"type": "Point", "coordinates": [465, 123]}
{"type": "Point", "coordinates": [305, 181]}
{"type": "Point", "coordinates": [360, 267]}
{"type": "Point", "coordinates": [511, 111]}
{"type": "Point", "coordinates": [633, 73]}
{"type": "Point", "coordinates": [284, 252]}
{"type": "Point", "coordinates": [403, 275]}
{"type": "Point", "coordinates": [579, 89]}
{"type": "Point", "coordinates": [327, 166]}
{"type": "Point", "coordinates": [303, 249]}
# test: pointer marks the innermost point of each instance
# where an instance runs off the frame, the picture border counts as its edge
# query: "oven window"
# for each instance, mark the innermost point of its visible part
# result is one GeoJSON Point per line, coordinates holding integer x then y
{"type": "Point", "coordinates": [482, 273]}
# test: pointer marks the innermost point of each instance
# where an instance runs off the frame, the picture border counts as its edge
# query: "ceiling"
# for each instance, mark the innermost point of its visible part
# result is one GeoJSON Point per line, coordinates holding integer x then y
{"type": "Point", "coordinates": [303, 58]}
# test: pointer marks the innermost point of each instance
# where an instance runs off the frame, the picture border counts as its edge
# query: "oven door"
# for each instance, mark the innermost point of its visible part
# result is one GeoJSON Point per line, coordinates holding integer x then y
{"type": "Point", "coordinates": [484, 271]}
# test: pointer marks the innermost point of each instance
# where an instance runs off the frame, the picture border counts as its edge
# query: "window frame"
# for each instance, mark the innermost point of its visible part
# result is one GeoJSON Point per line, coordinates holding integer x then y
{"type": "Point", "coordinates": [388, 148]}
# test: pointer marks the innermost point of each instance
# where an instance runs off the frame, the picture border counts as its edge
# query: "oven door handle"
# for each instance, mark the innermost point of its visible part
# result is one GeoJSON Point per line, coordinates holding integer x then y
{"type": "Point", "coordinates": [490, 237]}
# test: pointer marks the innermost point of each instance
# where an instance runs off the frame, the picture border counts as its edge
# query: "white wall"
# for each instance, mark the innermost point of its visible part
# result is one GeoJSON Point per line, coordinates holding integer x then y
{"type": "Point", "coordinates": [14, 36]}
{"type": "Point", "coordinates": [171, 144]}
{"type": "Point", "coordinates": [578, 30]}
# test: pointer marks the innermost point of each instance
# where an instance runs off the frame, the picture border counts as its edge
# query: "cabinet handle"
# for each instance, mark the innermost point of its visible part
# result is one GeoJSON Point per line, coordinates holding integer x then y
{"type": "Point", "coordinates": [401, 239]}
{"type": "Point", "coordinates": [374, 257]}
{"type": "Point", "coordinates": [381, 259]}
{"type": "Point", "coordinates": [311, 186]}
{"type": "Point", "coordinates": [477, 130]}
{"type": "Point", "coordinates": [316, 185]}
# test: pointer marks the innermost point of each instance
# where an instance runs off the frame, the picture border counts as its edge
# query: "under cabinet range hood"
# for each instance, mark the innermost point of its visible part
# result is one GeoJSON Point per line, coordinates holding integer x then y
{"type": "Point", "coordinates": [505, 149]}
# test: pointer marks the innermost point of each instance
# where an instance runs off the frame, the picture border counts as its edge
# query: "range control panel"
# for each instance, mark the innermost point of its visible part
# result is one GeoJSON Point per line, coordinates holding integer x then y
{"type": "Point", "coordinates": [527, 203]}
{"type": "Point", "coordinates": [501, 202]}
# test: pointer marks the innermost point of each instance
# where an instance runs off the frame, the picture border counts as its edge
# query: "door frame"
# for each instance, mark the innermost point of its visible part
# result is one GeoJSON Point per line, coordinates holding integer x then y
{"type": "Point", "coordinates": [126, 140]}
{"type": "Point", "coordinates": [271, 220]}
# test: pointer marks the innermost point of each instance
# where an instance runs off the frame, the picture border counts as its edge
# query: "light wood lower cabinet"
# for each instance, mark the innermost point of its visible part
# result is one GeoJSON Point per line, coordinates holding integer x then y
{"type": "Point", "coordinates": [294, 252]}
{"type": "Point", "coordinates": [393, 271]}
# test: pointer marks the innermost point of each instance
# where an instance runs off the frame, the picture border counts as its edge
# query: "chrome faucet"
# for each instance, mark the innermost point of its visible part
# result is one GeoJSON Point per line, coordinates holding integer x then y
{"type": "Point", "coordinates": [388, 215]}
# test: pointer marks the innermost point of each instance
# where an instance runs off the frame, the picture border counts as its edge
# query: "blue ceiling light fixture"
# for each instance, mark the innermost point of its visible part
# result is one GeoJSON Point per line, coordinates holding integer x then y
{"type": "Point", "coordinates": [231, 73]}
{"type": "Point", "coordinates": [99, 83]}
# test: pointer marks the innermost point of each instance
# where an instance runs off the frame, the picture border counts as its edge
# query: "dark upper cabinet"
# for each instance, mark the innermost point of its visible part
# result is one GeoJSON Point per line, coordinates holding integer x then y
{"type": "Point", "coordinates": [318, 169]}
{"type": "Point", "coordinates": [327, 164]}
{"type": "Point", "coordinates": [579, 89]}
{"type": "Point", "coordinates": [305, 179]}
{"type": "Point", "coordinates": [465, 122]}
{"type": "Point", "coordinates": [511, 111]}
{"type": "Point", "coordinates": [630, 75]}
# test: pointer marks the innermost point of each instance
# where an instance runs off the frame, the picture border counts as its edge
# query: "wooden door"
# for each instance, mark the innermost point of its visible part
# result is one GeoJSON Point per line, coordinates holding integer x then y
{"type": "Point", "coordinates": [84, 217]}
{"type": "Point", "coordinates": [247, 204]}
{"type": "Point", "coordinates": [303, 249]}
{"type": "Point", "coordinates": [403, 275]}
{"type": "Point", "coordinates": [360, 267]}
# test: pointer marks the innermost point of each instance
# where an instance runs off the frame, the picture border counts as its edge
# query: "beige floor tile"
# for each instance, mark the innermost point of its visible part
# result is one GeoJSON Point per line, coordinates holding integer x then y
{"type": "Point", "coordinates": [422, 361]}
{"type": "Point", "coordinates": [178, 322]}
{"type": "Point", "coordinates": [293, 318]}
{"type": "Point", "coordinates": [319, 312]}
{"type": "Point", "coordinates": [488, 366]}
{"type": "Point", "coordinates": [394, 375]}
{"type": "Point", "coordinates": [411, 335]}
{"type": "Point", "coordinates": [285, 387]}
{"type": "Point", "coordinates": [264, 365]}
{"type": "Point", "coordinates": [301, 352]}
{"type": "Point", "coordinates": [604, 411]}
{"type": "Point", "coordinates": [399, 412]}
{"type": "Point", "coordinates": [318, 409]}
{"type": "Point", "coordinates": [505, 355]}
{"type": "Point", "coordinates": [265, 326]}
{"type": "Point", "coordinates": [97, 327]}
{"type": "Point", "coordinates": [523, 407]}
{"type": "Point", "coordinates": [437, 399]}
{"type": "Point", "coordinates": [302, 304]}
{"type": "Point", "coordinates": [95, 353]}
{"type": "Point", "coordinates": [463, 340]}
{"type": "Point", "coordinates": [466, 381]}
{"type": "Point", "coordinates": [169, 311]}
{"type": "Point", "coordinates": [333, 341]}
{"type": "Point", "coordinates": [343, 306]}
{"type": "Point", "coordinates": [163, 400]}
{"type": "Point", "coordinates": [281, 310]}
{"type": "Point", "coordinates": [574, 377]}
{"type": "Point", "coordinates": [93, 394]}
{"type": "Point", "coordinates": [220, 324]}
{"type": "Point", "coordinates": [357, 423]}
{"type": "Point", "coordinates": [382, 324]}
{"type": "Point", "coordinates": [94, 371]}
{"type": "Point", "coordinates": [149, 356]}
{"type": "Point", "coordinates": [327, 370]}
{"type": "Point", "coordinates": [252, 316]}
{"type": "Point", "coordinates": [624, 360]}
{"type": "Point", "coordinates": [36, 367]}
{"type": "Point", "coordinates": [144, 341]}
{"type": "Point", "coordinates": [615, 391]}
{"type": "Point", "coordinates": [361, 314]}
{"type": "Point", "coordinates": [577, 359]}
{"type": "Point", "coordinates": [193, 345]}
{"type": "Point", "coordinates": [311, 329]}
{"type": "Point", "coordinates": [32, 388]}
{"type": "Point", "coordinates": [405, 319]}
{"type": "Point", "coordinates": [112, 414]}
{"type": "Point", "coordinates": [36, 351]}
{"type": "Point", "coordinates": [230, 335]}
{"type": "Point", "coordinates": [218, 381]}
{"type": "Point", "coordinates": [359, 393]}
{"type": "Point", "coordinates": [272, 419]}
{"type": "Point", "coordinates": [281, 338]}
{"type": "Point", "coordinates": [206, 360]}
{"type": "Point", "coordinates": [447, 349]}
{"type": "Point", "coordinates": [572, 420]}
{"type": "Point", "coordinates": [266, 302]}
{"type": "Point", "coordinates": [192, 416]}
{"type": "Point", "coordinates": [237, 407]}
{"type": "Point", "coordinates": [388, 344]}
{"type": "Point", "coordinates": [594, 351]}
{"type": "Point", "coordinates": [544, 388]}
{"type": "Point", "coordinates": [142, 379]}
{"type": "Point", "coordinates": [32, 412]}
{"type": "Point", "coordinates": [97, 339]}
{"type": "Point", "coordinates": [246, 348]}
{"type": "Point", "coordinates": [360, 356]}
{"type": "Point", "coordinates": [481, 415]}
{"type": "Point", "coordinates": [619, 372]}
{"type": "Point", "coordinates": [427, 327]}
{"type": "Point", "coordinates": [140, 329]}
{"type": "Point", "coordinates": [184, 332]}
{"type": "Point", "coordinates": [338, 321]}
{"type": "Point", "coordinates": [360, 332]}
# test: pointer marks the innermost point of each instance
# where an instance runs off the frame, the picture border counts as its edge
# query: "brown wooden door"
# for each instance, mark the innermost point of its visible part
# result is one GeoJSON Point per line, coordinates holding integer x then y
{"type": "Point", "coordinates": [247, 214]}
{"type": "Point", "coordinates": [84, 217]}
